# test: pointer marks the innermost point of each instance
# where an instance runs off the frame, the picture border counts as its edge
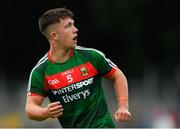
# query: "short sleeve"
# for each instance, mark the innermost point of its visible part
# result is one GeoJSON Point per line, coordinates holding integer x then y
{"type": "Point", "coordinates": [104, 65]}
{"type": "Point", "coordinates": [35, 84]}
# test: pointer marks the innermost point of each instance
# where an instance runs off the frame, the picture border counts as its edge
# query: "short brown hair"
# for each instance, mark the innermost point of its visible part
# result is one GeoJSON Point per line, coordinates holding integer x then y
{"type": "Point", "coordinates": [53, 16]}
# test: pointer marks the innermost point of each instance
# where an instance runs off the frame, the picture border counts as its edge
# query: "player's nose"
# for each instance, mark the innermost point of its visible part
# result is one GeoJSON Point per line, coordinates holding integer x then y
{"type": "Point", "coordinates": [75, 30]}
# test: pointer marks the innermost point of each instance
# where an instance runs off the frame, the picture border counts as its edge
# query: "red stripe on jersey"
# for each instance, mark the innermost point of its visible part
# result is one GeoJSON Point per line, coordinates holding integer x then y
{"type": "Point", "coordinates": [50, 58]}
{"type": "Point", "coordinates": [111, 72]}
{"type": "Point", "coordinates": [33, 94]}
{"type": "Point", "coordinates": [70, 76]}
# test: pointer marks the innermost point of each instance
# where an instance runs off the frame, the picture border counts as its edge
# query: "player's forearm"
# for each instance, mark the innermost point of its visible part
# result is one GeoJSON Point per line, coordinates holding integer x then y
{"type": "Point", "coordinates": [121, 87]}
{"type": "Point", "coordinates": [36, 112]}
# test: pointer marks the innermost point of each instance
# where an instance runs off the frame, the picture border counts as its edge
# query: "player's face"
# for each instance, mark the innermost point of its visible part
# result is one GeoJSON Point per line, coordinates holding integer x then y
{"type": "Point", "coordinates": [67, 33]}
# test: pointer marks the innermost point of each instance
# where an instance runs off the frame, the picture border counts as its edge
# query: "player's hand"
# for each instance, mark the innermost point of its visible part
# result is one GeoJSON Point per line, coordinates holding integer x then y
{"type": "Point", "coordinates": [54, 110]}
{"type": "Point", "coordinates": [122, 115]}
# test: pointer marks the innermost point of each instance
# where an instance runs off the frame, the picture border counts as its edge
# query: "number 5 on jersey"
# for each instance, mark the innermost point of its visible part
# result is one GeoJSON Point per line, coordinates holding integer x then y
{"type": "Point", "coordinates": [69, 78]}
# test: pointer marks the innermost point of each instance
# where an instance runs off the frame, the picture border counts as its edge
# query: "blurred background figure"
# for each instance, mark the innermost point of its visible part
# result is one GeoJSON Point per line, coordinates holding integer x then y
{"type": "Point", "coordinates": [162, 118]}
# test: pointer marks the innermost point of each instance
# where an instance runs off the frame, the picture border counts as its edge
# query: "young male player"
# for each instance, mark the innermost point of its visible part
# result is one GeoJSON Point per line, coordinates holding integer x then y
{"type": "Point", "coordinates": [71, 77]}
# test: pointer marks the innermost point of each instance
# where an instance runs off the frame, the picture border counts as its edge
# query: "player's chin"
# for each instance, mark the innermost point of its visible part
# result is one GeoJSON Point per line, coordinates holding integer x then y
{"type": "Point", "coordinates": [73, 45]}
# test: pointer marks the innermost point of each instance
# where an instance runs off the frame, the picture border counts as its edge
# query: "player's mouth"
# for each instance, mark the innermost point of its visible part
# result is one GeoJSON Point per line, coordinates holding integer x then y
{"type": "Point", "coordinates": [75, 38]}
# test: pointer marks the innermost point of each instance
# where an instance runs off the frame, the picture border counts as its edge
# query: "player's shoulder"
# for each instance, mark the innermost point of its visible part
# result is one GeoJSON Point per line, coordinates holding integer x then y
{"type": "Point", "coordinates": [41, 64]}
{"type": "Point", "coordinates": [91, 51]}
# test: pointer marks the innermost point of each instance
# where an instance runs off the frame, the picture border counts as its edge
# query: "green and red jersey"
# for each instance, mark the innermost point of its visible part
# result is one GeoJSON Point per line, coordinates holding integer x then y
{"type": "Point", "coordinates": [76, 83]}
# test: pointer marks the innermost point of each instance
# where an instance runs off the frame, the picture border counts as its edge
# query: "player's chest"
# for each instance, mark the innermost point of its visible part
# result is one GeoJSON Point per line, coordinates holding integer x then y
{"type": "Point", "coordinates": [69, 76]}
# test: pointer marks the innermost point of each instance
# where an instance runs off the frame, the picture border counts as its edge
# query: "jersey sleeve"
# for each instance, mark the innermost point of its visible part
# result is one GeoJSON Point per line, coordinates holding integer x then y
{"type": "Point", "coordinates": [35, 85]}
{"type": "Point", "coordinates": [105, 66]}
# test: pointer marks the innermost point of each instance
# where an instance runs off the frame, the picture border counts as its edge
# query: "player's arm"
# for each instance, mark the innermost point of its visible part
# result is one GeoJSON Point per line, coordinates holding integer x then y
{"type": "Point", "coordinates": [35, 111]}
{"type": "Point", "coordinates": [121, 89]}
{"type": "Point", "coordinates": [109, 70]}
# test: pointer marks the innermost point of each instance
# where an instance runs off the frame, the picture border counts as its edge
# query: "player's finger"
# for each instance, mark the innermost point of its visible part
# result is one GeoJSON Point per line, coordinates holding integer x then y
{"type": "Point", "coordinates": [126, 116]}
{"type": "Point", "coordinates": [58, 107]}
{"type": "Point", "coordinates": [121, 116]}
{"type": "Point", "coordinates": [129, 116]}
{"type": "Point", "coordinates": [57, 115]}
{"type": "Point", "coordinates": [116, 117]}
{"type": "Point", "coordinates": [54, 104]}
{"type": "Point", "coordinates": [57, 111]}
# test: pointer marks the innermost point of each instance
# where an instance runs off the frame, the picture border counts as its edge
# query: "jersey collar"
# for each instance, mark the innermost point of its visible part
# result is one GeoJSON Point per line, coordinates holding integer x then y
{"type": "Point", "coordinates": [51, 59]}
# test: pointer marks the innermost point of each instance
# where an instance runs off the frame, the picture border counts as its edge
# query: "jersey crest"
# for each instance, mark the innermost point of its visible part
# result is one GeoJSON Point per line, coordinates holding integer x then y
{"type": "Point", "coordinates": [84, 71]}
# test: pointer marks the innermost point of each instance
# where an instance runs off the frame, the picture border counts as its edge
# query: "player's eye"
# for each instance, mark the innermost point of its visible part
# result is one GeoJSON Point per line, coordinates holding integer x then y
{"type": "Point", "coordinates": [68, 25]}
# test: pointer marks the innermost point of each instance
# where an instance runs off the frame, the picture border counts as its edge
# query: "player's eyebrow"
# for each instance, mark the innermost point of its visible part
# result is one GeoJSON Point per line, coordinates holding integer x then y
{"type": "Point", "coordinates": [69, 23]}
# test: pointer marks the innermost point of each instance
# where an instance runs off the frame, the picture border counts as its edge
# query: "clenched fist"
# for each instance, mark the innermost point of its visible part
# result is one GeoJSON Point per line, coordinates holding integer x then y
{"type": "Point", "coordinates": [122, 115]}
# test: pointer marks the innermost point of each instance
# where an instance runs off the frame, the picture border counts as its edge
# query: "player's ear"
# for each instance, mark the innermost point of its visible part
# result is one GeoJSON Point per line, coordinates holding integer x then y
{"type": "Point", "coordinates": [54, 35]}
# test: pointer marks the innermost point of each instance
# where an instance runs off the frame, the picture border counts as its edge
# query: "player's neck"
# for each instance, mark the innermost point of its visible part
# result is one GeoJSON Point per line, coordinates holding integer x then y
{"type": "Point", "coordinates": [60, 55]}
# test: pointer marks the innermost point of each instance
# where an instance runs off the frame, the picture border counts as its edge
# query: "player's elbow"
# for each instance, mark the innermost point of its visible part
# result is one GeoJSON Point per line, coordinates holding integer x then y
{"type": "Point", "coordinates": [33, 115]}
{"type": "Point", "coordinates": [28, 113]}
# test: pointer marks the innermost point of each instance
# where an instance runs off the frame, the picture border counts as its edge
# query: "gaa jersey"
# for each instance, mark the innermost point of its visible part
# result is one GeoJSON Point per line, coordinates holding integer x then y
{"type": "Point", "coordinates": [76, 83]}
